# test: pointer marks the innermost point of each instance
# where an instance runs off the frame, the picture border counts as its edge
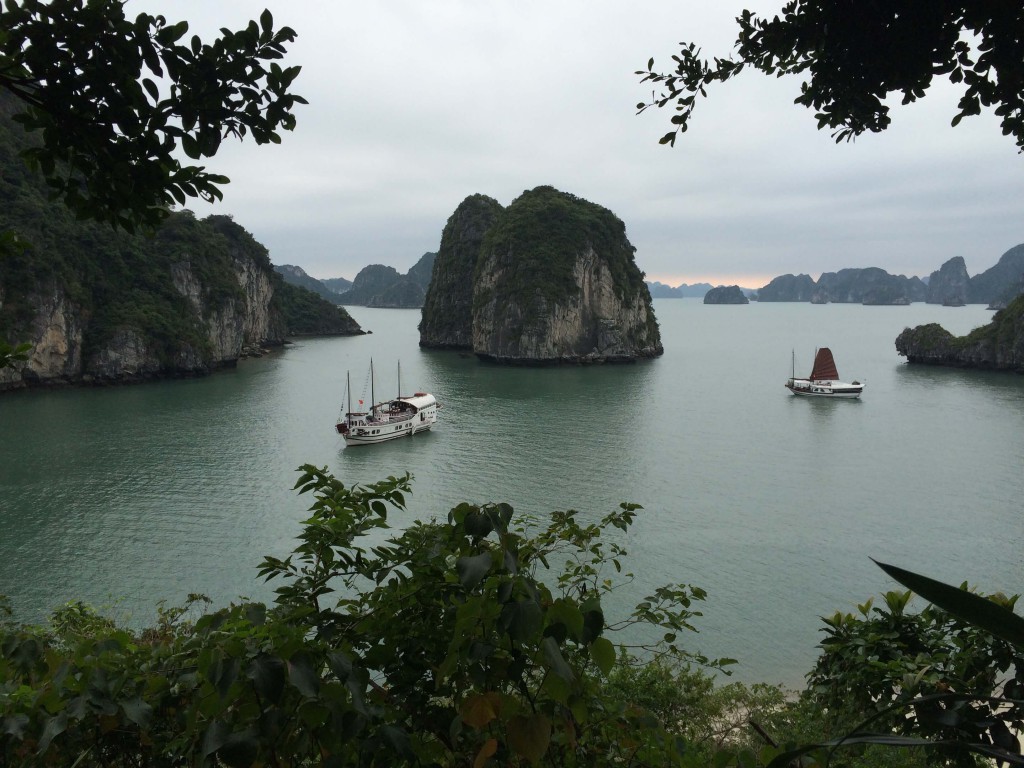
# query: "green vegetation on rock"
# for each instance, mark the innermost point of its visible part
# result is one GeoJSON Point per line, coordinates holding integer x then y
{"type": "Point", "coordinates": [533, 243]}
{"type": "Point", "coordinates": [108, 281]}
{"type": "Point", "coordinates": [307, 314]}
{"type": "Point", "coordinates": [999, 345]}
{"type": "Point", "coordinates": [447, 318]}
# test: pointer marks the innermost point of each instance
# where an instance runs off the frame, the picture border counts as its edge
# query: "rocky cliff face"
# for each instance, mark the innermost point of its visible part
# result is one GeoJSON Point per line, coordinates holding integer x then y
{"type": "Point", "coordinates": [870, 285]}
{"type": "Point", "coordinates": [788, 288]}
{"type": "Point", "coordinates": [447, 318]}
{"type": "Point", "coordinates": [63, 352]}
{"type": "Point", "coordinates": [196, 297]}
{"type": "Point", "coordinates": [1001, 283]}
{"type": "Point", "coordinates": [556, 282]}
{"type": "Point", "coordinates": [593, 326]}
{"type": "Point", "coordinates": [55, 332]}
{"type": "Point", "coordinates": [240, 324]}
{"type": "Point", "coordinates": [551, 279]}
{"type": "Point", "coordinates": [950, 283]}
{"type": "Point", "coordinates": [996, 346]}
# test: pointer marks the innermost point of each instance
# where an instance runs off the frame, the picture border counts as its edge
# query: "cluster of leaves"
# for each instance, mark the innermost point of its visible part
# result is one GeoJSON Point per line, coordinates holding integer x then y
{"type": "Point", "coordinates": [113, 98]}
{"type": "Point", "coordinates": [854, 55]}
{"type": "Point", "coordinates": [949, 678]}
{"type": "Point", "coordinates": [9, 355]}
{"type": "Point", "coordinates": [437, 646]}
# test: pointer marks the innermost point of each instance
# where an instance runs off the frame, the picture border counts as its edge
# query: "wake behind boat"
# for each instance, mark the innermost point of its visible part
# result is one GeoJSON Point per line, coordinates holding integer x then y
{"type": "Point", "coordinates": [403, 416]}
{"type": "Point", "coordinates": [824, 379]}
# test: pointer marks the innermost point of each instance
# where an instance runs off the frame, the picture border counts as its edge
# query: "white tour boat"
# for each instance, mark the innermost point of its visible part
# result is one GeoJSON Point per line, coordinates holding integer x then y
{"type": "Point", "coordinates": [403, 416]}
{"type": "Point", "coordinates": [824, 379]}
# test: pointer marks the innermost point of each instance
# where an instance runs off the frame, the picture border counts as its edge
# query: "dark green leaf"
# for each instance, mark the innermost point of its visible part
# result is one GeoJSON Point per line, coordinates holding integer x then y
{"type": "Point", "coordinates": [972, 608]}
{"type": "Point", "coordinates": [216, 734]}
{"type": "Point", "coordinates": [302, 674]}
{"type": "Point", "coordinates": [522, 620]}
{"type": "Point", "coordinates": [478, 525]}
{"type": "Point", "coordinates": [398, 740]}
{"type": "Point", "coordinates": [472, 570]}
{"type": "Point", "coordinates": [554, 660]}
{"type": "Point", "coordinates": [55, 726]}
{"type": "Point", "coordinates": [138, 711]}
{"type": "Point", "coordinates": [267, 675]}
{"type": "Point", "coordinates": [603, 653]}
{"type": "Point", "coordinates": [240, 749]}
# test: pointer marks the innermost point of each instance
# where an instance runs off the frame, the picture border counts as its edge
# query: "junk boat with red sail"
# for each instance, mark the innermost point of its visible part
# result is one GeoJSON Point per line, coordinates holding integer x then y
{"type": "Point", "coordinates": [824, 379]}
{"type": "Point", "coordinates": [403, 416]}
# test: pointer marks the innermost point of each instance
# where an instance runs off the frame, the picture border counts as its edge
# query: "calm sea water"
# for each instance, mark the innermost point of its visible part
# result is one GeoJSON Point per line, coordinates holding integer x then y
{"type": "Point", "coordinates": [125, 496]}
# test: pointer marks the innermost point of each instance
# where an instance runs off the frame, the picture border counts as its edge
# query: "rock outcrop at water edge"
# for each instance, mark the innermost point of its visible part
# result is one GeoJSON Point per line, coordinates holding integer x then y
{"type": "Point", "coordinates": [996, 346]}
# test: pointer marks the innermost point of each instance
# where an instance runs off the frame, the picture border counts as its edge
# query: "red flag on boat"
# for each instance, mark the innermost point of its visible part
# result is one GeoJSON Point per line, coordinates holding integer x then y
{"type": "Point", "coordinates": [360, 402]}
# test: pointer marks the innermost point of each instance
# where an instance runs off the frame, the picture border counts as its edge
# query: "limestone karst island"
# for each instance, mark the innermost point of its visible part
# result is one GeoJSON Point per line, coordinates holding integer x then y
{"type": "Point", "coordinates": [550, 279]}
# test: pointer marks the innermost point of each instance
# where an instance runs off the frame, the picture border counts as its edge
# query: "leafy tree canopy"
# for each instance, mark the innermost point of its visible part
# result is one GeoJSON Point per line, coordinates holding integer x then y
{"type": "Point", "coordinates": [112, 99]}
{"type": "Point", "coordinates": [856, 54]}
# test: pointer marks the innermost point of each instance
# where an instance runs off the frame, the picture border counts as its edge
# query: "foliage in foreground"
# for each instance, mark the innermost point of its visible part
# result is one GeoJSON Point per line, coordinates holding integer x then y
{"type": "Point", "coordinates": [444, 645]}
{"type": "Point", "coordinates": [949, 678]}
{"type": "Point", "coordinates": [438, 646]}
{"type": "Point", "coordinates": [113, 98]}
{"type": "Point", "coordinates": [856, 56]}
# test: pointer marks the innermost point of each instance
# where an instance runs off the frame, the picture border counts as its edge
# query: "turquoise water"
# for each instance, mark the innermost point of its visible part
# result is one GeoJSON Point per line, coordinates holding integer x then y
{"type": "Point", "coordinates": [774, 504]}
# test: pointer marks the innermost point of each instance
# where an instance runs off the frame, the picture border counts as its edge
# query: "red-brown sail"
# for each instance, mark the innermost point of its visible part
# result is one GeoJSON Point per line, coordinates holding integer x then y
{"type": "Point", "coordinates": [824, 366]}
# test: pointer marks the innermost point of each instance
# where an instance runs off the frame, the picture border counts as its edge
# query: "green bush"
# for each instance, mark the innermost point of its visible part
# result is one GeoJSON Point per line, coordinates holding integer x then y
{"type": "Point", "coordinates": [441, 645]}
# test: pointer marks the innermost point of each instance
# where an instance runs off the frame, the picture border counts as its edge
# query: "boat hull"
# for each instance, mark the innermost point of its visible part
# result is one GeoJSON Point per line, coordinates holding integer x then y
{"type": "Point", "coordinates": [825, 389]}
{"type": "Point", "coordinates": [374, 435]}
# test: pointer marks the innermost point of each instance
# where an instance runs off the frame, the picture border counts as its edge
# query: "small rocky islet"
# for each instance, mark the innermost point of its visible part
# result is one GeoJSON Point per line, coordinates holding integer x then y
{"type": "Point", "coordinates": [998, 346]}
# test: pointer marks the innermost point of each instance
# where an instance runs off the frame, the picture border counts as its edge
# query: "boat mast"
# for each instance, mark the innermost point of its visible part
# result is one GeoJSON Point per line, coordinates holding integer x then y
{"type": "Point", "coordinates": [373, 404]}
{"type": "Point", "coordinates": [399, 379]}
{"type": "Point", "coordinates": [348, 390]}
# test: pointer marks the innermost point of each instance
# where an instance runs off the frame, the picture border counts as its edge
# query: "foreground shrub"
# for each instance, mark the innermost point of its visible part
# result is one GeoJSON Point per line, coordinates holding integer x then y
{"type": "Point", "coordinates": [442, 645]}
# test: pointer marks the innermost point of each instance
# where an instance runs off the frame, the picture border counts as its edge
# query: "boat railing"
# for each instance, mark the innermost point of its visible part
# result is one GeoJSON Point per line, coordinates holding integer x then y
{"type": "Point", "coordinates": [390, 418]}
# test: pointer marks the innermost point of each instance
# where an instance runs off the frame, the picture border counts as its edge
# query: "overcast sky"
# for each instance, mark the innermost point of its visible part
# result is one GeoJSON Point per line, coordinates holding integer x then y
{"type": "Point", "coordinates": [415, 105]}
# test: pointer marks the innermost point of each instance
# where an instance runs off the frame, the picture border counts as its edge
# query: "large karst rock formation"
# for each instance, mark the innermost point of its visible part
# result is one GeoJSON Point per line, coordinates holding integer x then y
{"type": "Point", "coordinates": [550, 279]}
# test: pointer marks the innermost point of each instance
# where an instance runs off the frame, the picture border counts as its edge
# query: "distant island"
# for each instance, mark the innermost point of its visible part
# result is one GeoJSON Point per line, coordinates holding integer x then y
{"type": "Point", "coordinates": [376, 285]}
{"type": "Point", "coordinates": [731, 294]}
{"type": "Point", "coordinates": [950, 285]}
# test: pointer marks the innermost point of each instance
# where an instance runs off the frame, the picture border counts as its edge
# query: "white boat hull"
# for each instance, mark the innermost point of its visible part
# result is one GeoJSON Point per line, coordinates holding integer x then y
{"type": "Point", "coordinates": [826, 389]}
{"type": "Point", "coordinates": [371, 434]}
